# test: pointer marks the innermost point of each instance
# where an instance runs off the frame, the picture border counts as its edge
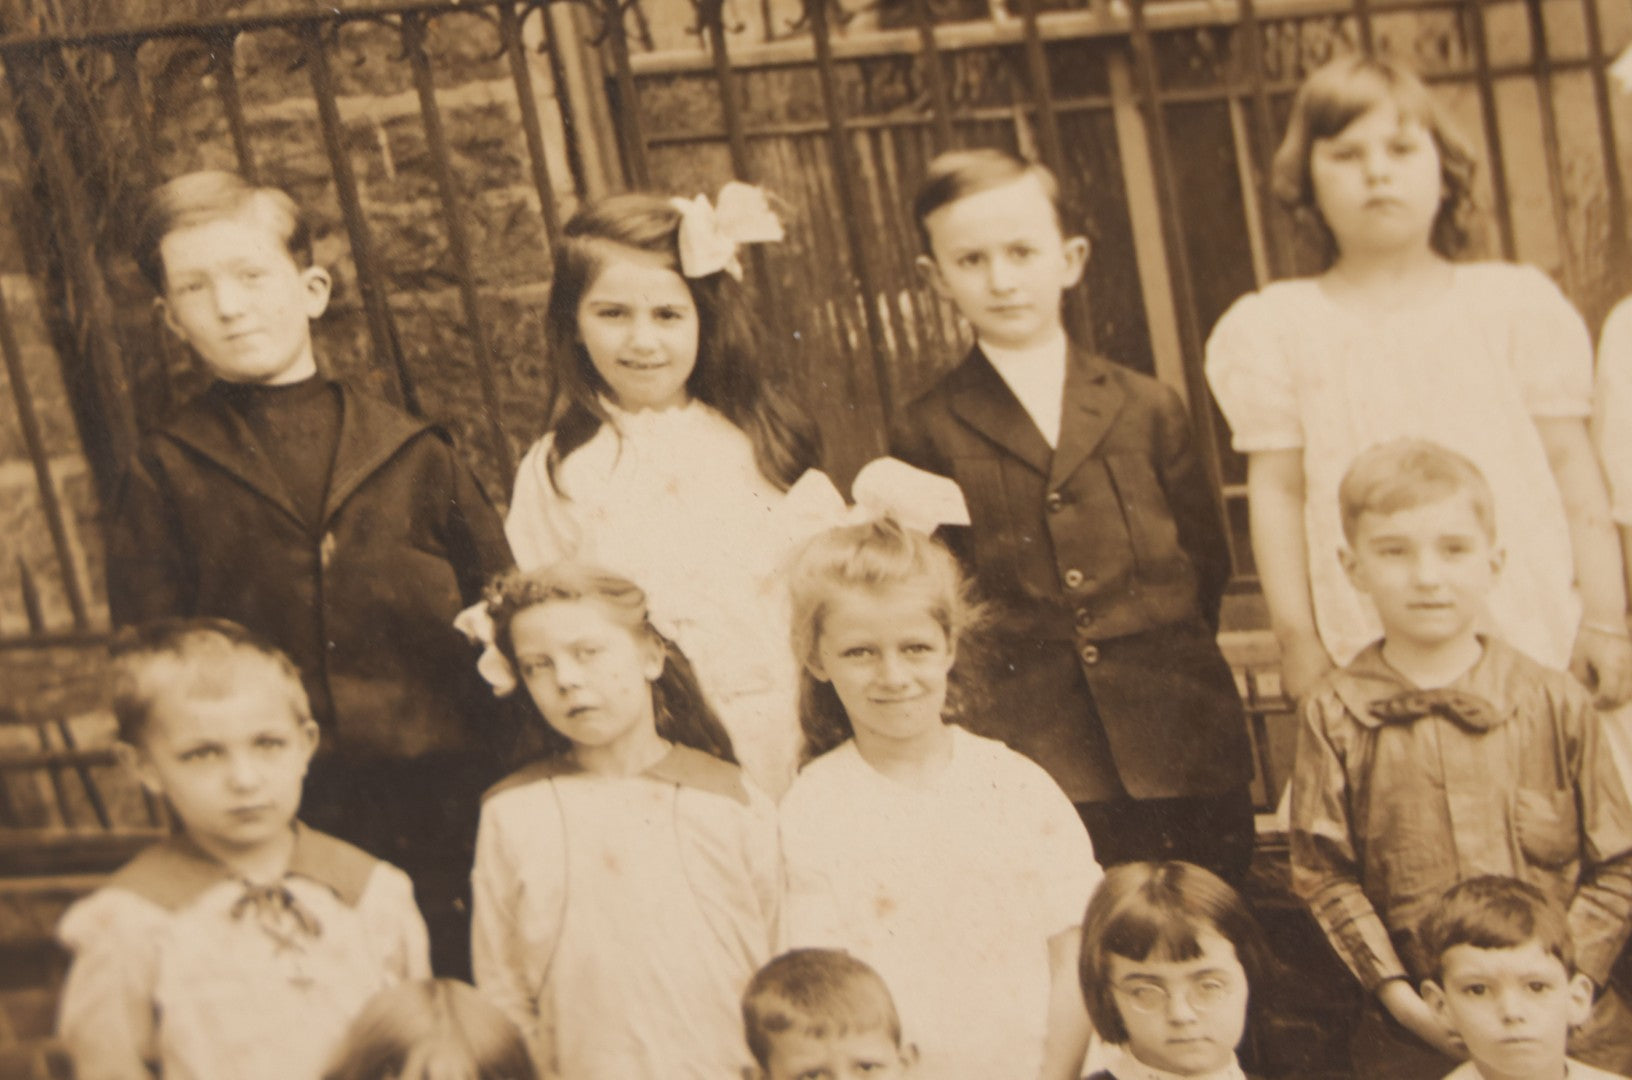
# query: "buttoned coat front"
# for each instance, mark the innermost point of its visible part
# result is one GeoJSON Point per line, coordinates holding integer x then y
{"type": "Point", "coordinates": [1105, 561]}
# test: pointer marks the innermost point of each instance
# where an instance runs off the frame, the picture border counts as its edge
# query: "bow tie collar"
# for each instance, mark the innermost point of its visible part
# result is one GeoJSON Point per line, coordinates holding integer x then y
{"type": "Point", "coordinates": [1468, 711]}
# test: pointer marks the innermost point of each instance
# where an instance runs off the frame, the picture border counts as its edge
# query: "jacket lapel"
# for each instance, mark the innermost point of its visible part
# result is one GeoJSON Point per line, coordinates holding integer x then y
{"type": "Point", "coordinates": [215, 431]}
{"type": "Point", "coordinates": [1092, 401]}
{"type": "Point", "coordinates": [371, 433]}
{"type": "Point", "coordinates": [981, 399]}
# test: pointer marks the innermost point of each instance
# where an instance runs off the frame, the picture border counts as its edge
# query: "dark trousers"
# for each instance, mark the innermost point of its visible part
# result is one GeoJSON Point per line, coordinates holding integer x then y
{"type": "Point", "coordinates": [419, 815]}
{"type": "Point", "coordinates": [1212, 831]}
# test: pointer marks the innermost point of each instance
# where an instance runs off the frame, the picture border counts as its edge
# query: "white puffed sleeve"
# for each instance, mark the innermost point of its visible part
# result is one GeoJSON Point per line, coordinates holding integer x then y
{"type": "Point", "coordinates": [393, 921]}
{"type": "Point", "coordinates": [1612, 409]}
{"type": "Point", "coordinates": [1250, 369]}
{"type": "Point", "coordinates": [1551, 349]}
{"type": "Point", "coordinates": [541, 526]}
{"type": "Point", "coordinates": [107, 1016]}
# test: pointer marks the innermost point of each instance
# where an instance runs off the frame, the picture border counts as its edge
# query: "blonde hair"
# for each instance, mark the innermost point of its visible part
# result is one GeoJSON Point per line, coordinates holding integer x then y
{"type": "Point", "coordinates": [200, 657]}
{"type": "Point", "coordinates": [876, 555]}
{"type": "Point", "coordinates": [1340, 92]}
{"type": "Point", "coordinates": [1406, 473]}
{"type": "Point", "coordinates": [432, 1029]}
{"type": "Point", "coordinates": [198, 198]}
{"type": "Point", "coordinates": [821, 993]}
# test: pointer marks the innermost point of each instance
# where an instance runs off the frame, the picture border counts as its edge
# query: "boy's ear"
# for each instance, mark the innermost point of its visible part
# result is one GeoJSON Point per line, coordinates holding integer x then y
{"type": "Point", "coordinates": [1076, 258]}
{"type": "Point", "coordinates": [132, 758]}
{"type": "Point", "coordinates": [318, 285]}
{"type": "Point", "coordinates": [1498, 559]}
{"type": "Point", "coordinates": [930, 271]}
{"type": "Point", "coordinates": [909, 1055]}
{"type": "Point", "coordinates": [310, 732]}
{"type": "Point", "coordinates": [1433, 995]}
{"type": "Point", "coordinates": [1351, 566]}
{"type": "Point", "coordinates": [1581, 991]}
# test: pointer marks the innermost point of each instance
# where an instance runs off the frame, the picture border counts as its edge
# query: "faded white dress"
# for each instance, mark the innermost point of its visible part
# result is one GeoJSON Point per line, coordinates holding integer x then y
{"type": "Point", "coordinates": [673, 500]}
{"type": "Point", "coordinates": [1612, 431]}
{"type": "Point", "coordinates": [617, 920]}
{"type": "Point", "coordinates": [1473, 366]}
{"type": "Point", "coordinates": [950, 891]}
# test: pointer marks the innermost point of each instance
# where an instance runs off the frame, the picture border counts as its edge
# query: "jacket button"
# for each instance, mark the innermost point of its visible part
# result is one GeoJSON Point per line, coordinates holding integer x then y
{"type": "Point", "coordinates": [1073, 579]}
{"type": "Point", "coordinates": [1055, 502]}
{"type": "Point", "coordinates": [1090, 654]}
{"type": "Point", "coordinates": [1084, 617]}
{"type": "Point", "coordinates": [325, 550]}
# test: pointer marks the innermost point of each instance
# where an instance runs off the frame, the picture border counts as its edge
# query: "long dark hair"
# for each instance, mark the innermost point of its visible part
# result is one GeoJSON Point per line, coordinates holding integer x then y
{"type": "Point", "coordinates": [875, 555]}
{"type": "Point", "coordinates": [728, 375]}
{"type": "Point", "coordinates": [683, 713]}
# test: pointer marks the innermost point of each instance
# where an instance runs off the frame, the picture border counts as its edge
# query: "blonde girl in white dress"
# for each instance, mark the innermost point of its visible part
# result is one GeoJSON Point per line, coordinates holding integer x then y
{"type": "Point", "coordinates": [669, 458]}
{"type": "Point", "coordinates": [1395, 339]}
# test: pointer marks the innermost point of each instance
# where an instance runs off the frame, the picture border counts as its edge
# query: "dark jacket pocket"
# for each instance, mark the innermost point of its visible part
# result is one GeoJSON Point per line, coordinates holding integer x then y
{"type": "Point", "coordinates": [1549, 830]}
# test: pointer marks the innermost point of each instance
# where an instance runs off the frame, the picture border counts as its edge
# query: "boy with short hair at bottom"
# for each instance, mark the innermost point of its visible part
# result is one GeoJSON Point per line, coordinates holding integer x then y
{"type": "Point", "coordinates": [822, 1013]}
{"type": "Point", "coordinates": [1093, 532]}
{"type": "Point", "coordinates": [242, 946]}
{"type": "Point", "coordinates": [1440, 754]}
{"type": "Point", "coordinates": [1502, 979]}
{"type": "Point", "coordinates": [345, 531]}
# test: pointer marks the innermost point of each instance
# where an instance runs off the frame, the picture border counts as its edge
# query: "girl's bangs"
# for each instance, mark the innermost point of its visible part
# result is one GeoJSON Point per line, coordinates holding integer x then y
{"type": "Point", "coordinates": [1144, 932]}
{"type": "Point", "coordinates": [1338, 101]}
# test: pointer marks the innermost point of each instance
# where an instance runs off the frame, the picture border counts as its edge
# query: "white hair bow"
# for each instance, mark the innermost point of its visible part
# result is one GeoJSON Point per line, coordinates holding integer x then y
{"type": "Point", "coordinates": [710, 234]}
{"type": "Point", "coordinates": [885, 487]}
{"type": "Point", "coordinates": [476, 623]}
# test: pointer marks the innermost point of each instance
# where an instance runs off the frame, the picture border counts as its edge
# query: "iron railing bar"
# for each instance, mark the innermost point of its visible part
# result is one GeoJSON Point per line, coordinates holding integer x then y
{"type": "Point", "coordinates": [381, 326]}
{"type": "Point", "coordinates": [56, 516]}
{"type": "Point", "coordinates": [1263, 127]}
{"type": "Point", "coordinates": [1042, 90]}
{"type": "Point", "coordinates": [1368, 34]}
{"type": "Point", "coordinates": [1474, 15]}
{"type": "Point", "coordinates": [1614, 183]}
{"type": "Point", "coordinates": [52, 638]}
{"type": "Point", "coordinates": [872, 153]}
{"type": "Point", "coordinates": [1208, 95]}
{"type": "Point", "coordinates": [850, 202]}
{"type": "Point", "coordinates": [436, 141]}
{"type": "Point", "coordinates": [1542, 74]}
{"type": "Point", "coordinates": [532, 128]}
{"type": "Point", "coordinates": [288, 20]}
{"type": "Point", "coordinates": [130, 91]}
{"type": "Point", "coordinates": [630, 124]}
{"type": "Point", "coordinates": [940, 98]}
{"type": "Point", "coordinates": [232, 102]}
{"type": "Point", "coordinates": [93, 794]}
{"type": "Point", "coordinates": [1173, 235]}
{"type": "Point", "coordinates": [1052, 26]}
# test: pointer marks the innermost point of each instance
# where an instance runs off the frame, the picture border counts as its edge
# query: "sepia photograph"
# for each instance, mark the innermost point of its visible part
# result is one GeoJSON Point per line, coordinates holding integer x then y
{"type": "Point", "coordinates": [815, 539]}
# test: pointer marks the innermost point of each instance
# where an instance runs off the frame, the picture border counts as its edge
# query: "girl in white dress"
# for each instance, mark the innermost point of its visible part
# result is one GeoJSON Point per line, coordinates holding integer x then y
{"type": "Point", "coordinates": [952, 865]}
{"type": "Point", "coordinates": [1394, 339]}
{"type": "Point", "coordinates": [627, 887]}
{"type": "Point", "coordinates": [669, 457]}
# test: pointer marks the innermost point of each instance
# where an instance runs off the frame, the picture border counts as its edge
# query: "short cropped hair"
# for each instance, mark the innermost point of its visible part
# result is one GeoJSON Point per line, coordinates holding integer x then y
{"type": "Point", "coordinates": [1337, 94]}
{"type": "Point", "coordinates": [198, 198]}
{"type": "Point", "coordinates": [1146, 909]}
{"type": "Point", "coordinates": [1494, 912]}
{"type": "Point", "coordinates": [958, 174]}
{"type": "Point", "coordinates": [1406, 473]}
{"type": "Point", "coordinates": [821, 993]}
{"type": "Point", "coordinates": [197, 657]}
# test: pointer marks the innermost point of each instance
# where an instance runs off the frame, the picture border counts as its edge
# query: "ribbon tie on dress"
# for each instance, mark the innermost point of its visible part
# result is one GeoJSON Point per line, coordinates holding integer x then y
{"type": "Point", "coordinates": [1469, 711]}
{"type": "Point", "coordinates": [279, 913]}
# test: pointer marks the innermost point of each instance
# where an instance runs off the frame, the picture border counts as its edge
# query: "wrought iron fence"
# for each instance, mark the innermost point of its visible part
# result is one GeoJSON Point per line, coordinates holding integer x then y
{"type": "Point", "coordinates": [1160, 116]}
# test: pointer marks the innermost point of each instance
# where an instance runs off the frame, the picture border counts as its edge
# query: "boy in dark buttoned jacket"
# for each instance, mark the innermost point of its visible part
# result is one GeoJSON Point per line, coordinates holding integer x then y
{"type": "Point", "coordinates": [1094, 533]}
{"type": "Point", "coordinates": [338, 527]}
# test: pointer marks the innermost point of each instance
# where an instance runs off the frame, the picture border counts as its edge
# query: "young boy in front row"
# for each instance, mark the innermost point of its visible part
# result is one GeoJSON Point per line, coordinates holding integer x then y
{"type": "Point", "coordinates": [1502, 979]}
{"type": "Point", "coordinates": [1441, 754]}
{"type": "Point", "coordinates": [346, 532]}
{"type": "Point", "coordinates": [822, 1013]}
{"type": "Point", "coordinates": [1094, 532]}
{"type": "Point", "coordinates": [242, 946]}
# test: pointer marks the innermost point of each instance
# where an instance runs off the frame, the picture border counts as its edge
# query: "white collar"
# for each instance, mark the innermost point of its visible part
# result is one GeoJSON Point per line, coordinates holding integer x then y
{"type": "Point", "coordinates": [1120, 1063]}
{"type": "Point", "coordinates": [1036, 376]}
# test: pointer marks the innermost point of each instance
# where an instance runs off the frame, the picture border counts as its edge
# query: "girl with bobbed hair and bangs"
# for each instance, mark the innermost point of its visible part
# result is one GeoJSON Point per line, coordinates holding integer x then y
{"type": "Point", "coordinates": [432, 1029]}
{"type": "Point", "coordinates": [1171, 957]}
{"type": "Point", "coordinates": [670, 453]}
{"type": "Point", "coordinates": [1393, 339]}
{"type": "Point", "coordinates": [951, 864]}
